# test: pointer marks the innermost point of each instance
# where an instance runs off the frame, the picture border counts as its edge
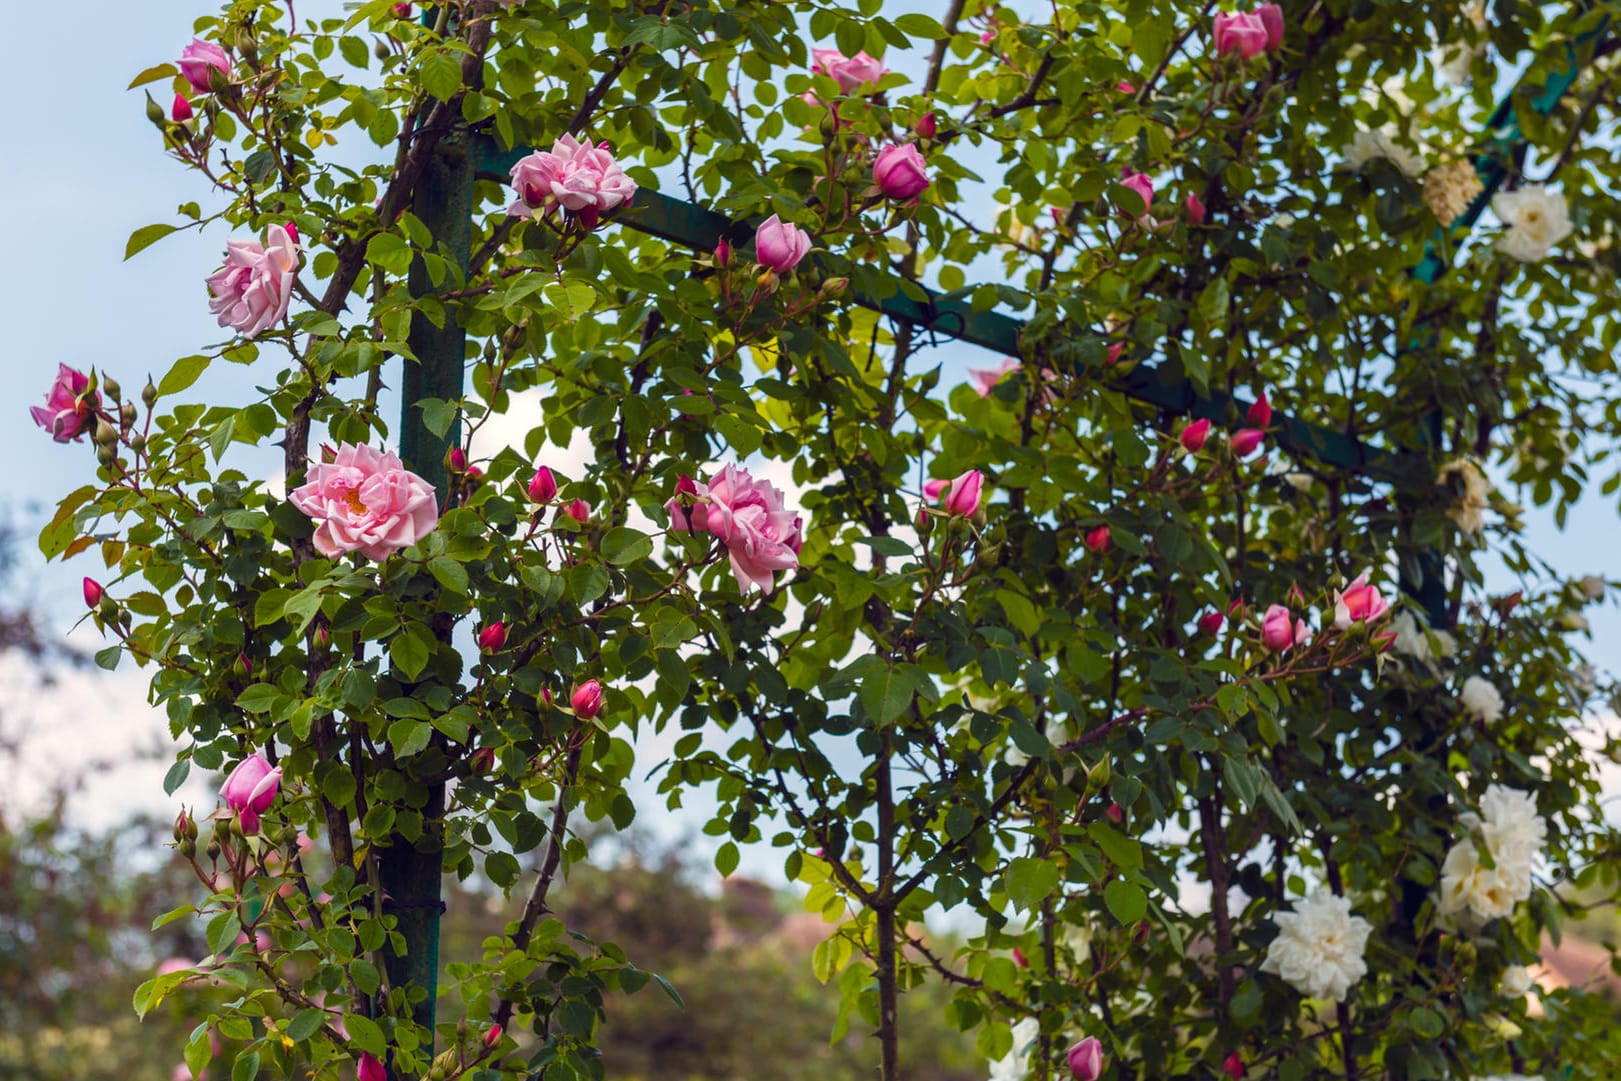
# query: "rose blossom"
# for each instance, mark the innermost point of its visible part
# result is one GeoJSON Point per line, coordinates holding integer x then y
{"type": "Point", "coordinates": [366, 501]}
{"type": "Point", "coordinates": [1142, 184]}
{"type": "Point", "coordinates": [850, 72]}
{"type": "Point", "coordinates": [1280, 631]}
{"type": "Point", "coordinates": [70, 406]}
{"type": "Point", "coordinates": [251, 789]}
{"type": "Point", "coordinates": [369, 1068]}
{"type": "Point", "coordinates": [1249, 33]}
{"type": "Point", "coordinates": [899, 172]}
{"type": "Point", "coordinates": [1536, 218]}
{"type": "Point", "coordinates": [1358, 603]}
{"type": "Point", "coordinates": [762, 536]}
{"type": "Point", "coordinates": [1085, 1060]}
{"type": "Point", "coordinates": [582, 179]}
{"type": "Point", "coordinates": [542, 486]}
{"type": "Point", "coordinates": [587, 699]}
{"type": "Point", "coordinates": [962, 498]}
{"type": "Point", "coordinates": [252, 290]}
{"type": "Point", "coordinates": [1508, 827]}
{"type": "Point", "coordinates": [1246, 440]}
{"type": "Point", "coordinates": [198, 59]}
{"type": "Point", "coordinates": [1194, 435]}
{"type": "Point", "coordinates": [1319, 947]}
{"type": "Point", "coordinates": [780, 246]}
{"type": "Point", "coordinates": [1482, 699]}
{"type": "Point", "coordinates": [1196, 209]}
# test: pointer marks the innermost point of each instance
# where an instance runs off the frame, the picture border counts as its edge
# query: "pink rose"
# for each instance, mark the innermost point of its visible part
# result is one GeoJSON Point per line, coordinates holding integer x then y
{"type": "Point", "coordinates": [579, 510]}
{"type": "Point", "coordinates": [932, 490]}
{"type": "Point", "coordinates": [542, 486]}
{"type": "Point", "coordinates": [962, 498]}
{"type": "Point", "coordinates": [1233, 1065]}
{"type": "Point", "coordinates": [250, 790]}
{"type": "Point", "coordinates": [368, 1068]}
{"type": "Point", "coordinates": [1086, 1060]}
{"type": "Point", "coordinates": [92, 593]}
{"type": "Point", "coordinates": [198, 59]}
{"type": "Point", "coordinates": [1194, 435]}
{"type": "Point", "coordinates": [252, 290]}
{"type": "Point", "coordinates": [780, 246]}
{"type": "Point", "coordinates": [587, 699]}
{"type": "Point", "coordinates": [1097, 540]}
{"type": "Point", "coordinates": [925, 126]}
{"type": "Point", "coordinates": [493, 637]}
{"type": "Point", "coordinates": [1196, 209]}
{"type": "Point", "coordinates": [1244, 33]}
{"type": "Point", "coordinates": [582, 179]}
{"type": "Point", "coordinates": [1246, 440]}
{"type": "Point", "coordinates": [1358, 603]}
{"type": "Point", "coordinates": [1259, 415]}
{"type": "Point", "coordinates": [899, 172]}
{"type": "Point", "coordinates": [1211, 621]}
{"type": "Point", "coordinates": [1281, 631]}
{"type": "Point", "coordinates": [762, 536]}
{"type": "Point", "coordinates": [70, 406]}
{"type": "Point", "coordinates": [1271, 16]}
{"type": "Point", "coordinates": [985, 379]}
{"type": "Point", "coordinates": [366, 501]}
{"type": "Point", "coordinates": [181, 111]}
{"type": "Point", "coordinates": [850, 72]}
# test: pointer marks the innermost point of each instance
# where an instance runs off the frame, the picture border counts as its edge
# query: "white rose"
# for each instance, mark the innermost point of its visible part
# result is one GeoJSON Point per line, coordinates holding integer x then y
{"type": "Point", "coordinates": [1516, 981]}
{"type": "Point", "coordinates": [1319, 947]}
{"type": "Point", "coordinates": [1367, 146]}
{"type": "Point", "coordinates": [1536, 220]}
{"type": "Point", "coordinates": [1592, 586]}
{"type": "Point", "coordinates": [1482, 699]}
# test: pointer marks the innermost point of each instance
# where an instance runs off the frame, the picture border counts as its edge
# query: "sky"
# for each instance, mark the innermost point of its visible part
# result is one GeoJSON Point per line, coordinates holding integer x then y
{"type": "Point", "coordinates": [83, 169]}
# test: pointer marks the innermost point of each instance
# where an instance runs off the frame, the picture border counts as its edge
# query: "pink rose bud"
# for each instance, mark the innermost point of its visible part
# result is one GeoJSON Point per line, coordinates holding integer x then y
{"type": "Point", "coordinates": [180, 111]}
{"type": "Point", "coordinates": [251, 789]}
{"type": "Point", "coordinates": [931, 490]}
{"type": "Point", "coordinates": [925, 126]}
{"type": "Point", "coordinates": [70, 406]}
{"type": "Point", "coordinates": [987, 37]}
{"type": "Point", "coordinates": [1097, 540]}
{"type": "Point", "coordinates": [1384, 640]}
{"type": "Point", "coordinates": [1196, 209]}
{"type": "Point", "coordinates": [1125, 87]}
{"type": "Point", "coordinates": [1086, 1060]}
{"type": "Point", "coordinates": [93, 593]}
{"type": "Point", "coordinates": [962, 499]}
{"type": "Point", "coordinates": [579, 510]}
{"type": "Point", "coordinates": [1260, 414]}
{"type": "Point", "coordinates": [1116, 351]}
{"type": "Point", "coordinates": [1141, 184]}
{"type": "Point", "coordinates": [244, 666]}
{"type": "Point", "coordinates": [587, 699]}
{"type": "Point", "coordinates": [1358, 603]}
{"type": "Point", "coordinates": [401, 11]}
{"type": "Point", "coordinates": [1194, 435]}
{"type": "Point", "coordinates": [723, 253]}
{"type": "Point", "coordinates": [481, 760]}
{"type": "Point", "coordinates": [365, 501]}
{"type": "Point", "coordinates": [900, 172]}
{"type": "Point", "coordinates": [367, 1068]}
{"type": "Point", "coordinates": [1271, 16]}
{"type": "Point", "coordinates": [458, 460]}
{"type": "Point", "coordinates": [1115, 813]}
{"type": "Point", "coordinates": [493, 637]}
{"type": "Point", "coordinates": [779, 246]}
{"type": "Point", "coordinates": [1211, 622]}
{"type": "Point", "coordinates": [1242, 33]}
{"type": "Point", "coordinates": [1233, 1067]}
{"type": "Point", "coordinates": [1246, 440]}
{"type": "Point", "coordinates": [542, 486]}
{"type": "Point", "coordinates": [492, 1036]}
{"type": "Point", "coordinates": [1018, 958]}
{"type": "Point", "coordinates": [1278, 629]}
{"type": "Point", "coordinates": [199, 59]}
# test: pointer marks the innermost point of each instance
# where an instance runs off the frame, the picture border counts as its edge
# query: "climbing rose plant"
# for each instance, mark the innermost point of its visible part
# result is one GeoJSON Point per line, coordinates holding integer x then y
{"type": "Point", "coordinates": [1121, 679]}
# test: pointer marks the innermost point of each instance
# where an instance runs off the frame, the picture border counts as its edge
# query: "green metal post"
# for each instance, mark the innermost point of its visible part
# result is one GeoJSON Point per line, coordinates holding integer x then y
{"type": "Point", "coordinates": [411, 873]}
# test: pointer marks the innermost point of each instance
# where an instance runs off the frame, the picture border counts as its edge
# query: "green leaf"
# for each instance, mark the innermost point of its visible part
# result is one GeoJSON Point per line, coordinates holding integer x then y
{"type": "Point", "coordinates": [153, 74]}
{"type": "Point", "coordinates": [449, 573]}
{"type": "Point", "coordinates": [409, 654]}
{"type": "Point", "coordinates": [183, 374]}
{"type": "Point", "coordinates": [726, 858]}
{"type": "Point", "coordinates": [305, 1024]}
{"type": "Point", "coordinates": [258, 698]}
{"type": "Point", "coordinates": [441, 75]}
{"type": "Point", "coordinates": [670, 990]}
{"type": "Point", "coordinates": [1426, 1022]}
{"type": "Point", "coordinates": [146, 236]}
{"type": "Point", "coordinates": [1126, 900]}
{"type": "Point", "coordinates": [173, 914]}
{"type": "Point", "coordinates": [886, 693]}
{"type": "Point", "coordinates": [390, 252]}
{"type": "Point", "coordinates": [154, 991]}
{"type": "Point", "coordinates": [623, 545]}
{"type": "Point", "coordinates": [916, 25]}
{"type": "Point", "coordinates": [364, 1033]}
{"type": "Point", "coordinates": [1030, 881]}
{"type": "Point", "coordinates": [176, 776]}
{"type": "Point", "coordinates": [409, 737]}
{"type": "Point", "coordinates": [108, 658]}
